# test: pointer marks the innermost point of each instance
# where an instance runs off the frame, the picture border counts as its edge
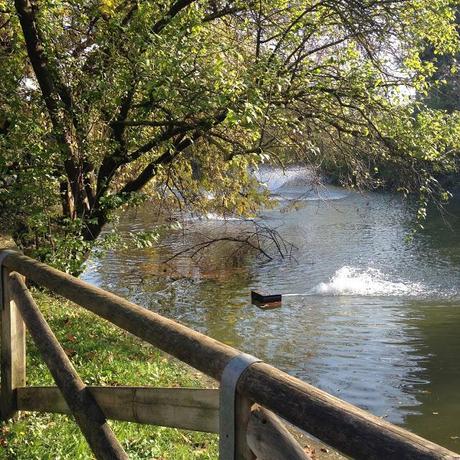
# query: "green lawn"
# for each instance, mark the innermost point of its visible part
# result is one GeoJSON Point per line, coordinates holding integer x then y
{"type": "Point", "coordinates": [102, 355]}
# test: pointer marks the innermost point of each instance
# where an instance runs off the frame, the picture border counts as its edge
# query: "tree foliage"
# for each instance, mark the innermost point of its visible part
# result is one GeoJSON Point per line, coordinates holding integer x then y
{"type": "Point", "coordinates": [444, 92]}
{"type": "Point", "coordinates": [104, 102]}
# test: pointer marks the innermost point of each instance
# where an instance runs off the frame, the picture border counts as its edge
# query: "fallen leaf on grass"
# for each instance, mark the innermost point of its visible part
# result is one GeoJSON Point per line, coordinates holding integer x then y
{"type": "Point", "coordinates": [69, 352]}
{"type": "Point", "coordinates": [71, 338]}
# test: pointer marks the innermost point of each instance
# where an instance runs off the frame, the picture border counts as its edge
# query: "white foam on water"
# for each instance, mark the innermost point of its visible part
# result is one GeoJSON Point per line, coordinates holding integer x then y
{"type": "Point", "coordinates": [215, 216]}
{"type": "Point", "coordinates": [325, 195]}
{"type": "Point", "coordinates": [212, 216]}
{"type": "Point", "coordinates": [367, 282]}
{"type": "Point", "coordinates": [295, 183]}
{"type": "Point", "coordinates": [276, 178]}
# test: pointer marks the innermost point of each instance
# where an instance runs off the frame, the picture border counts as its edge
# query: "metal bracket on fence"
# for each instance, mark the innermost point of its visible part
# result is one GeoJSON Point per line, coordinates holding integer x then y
{"type": "Point", "coordinates": [228, 382]}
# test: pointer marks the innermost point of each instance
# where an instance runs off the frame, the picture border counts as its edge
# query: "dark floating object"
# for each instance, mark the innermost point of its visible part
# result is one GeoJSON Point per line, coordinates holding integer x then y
{"type": "Point", "coordinates": [264, 301]}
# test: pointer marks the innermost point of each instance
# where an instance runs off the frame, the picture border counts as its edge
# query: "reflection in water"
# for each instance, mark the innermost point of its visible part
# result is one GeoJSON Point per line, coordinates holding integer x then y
{"type": "Point", "coordinates": [437, 381]}
{"type": "Point", "coordinates": [367, 315]}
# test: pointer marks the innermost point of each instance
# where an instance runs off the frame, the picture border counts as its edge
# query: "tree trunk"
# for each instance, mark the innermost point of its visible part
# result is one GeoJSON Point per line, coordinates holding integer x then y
{"type": "Point", "coordinates": [66, 200]}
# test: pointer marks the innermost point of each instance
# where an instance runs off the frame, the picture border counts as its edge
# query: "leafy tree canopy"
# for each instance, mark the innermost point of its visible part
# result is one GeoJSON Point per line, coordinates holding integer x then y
{"type": "Point", "coordinates": [103, 102]}
{"type": "Point", "coordinates": [444, 92]}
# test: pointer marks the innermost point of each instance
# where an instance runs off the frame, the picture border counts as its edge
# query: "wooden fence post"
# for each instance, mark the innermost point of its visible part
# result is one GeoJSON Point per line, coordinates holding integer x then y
{"type": "Point", "coordinates": [243, 408]}
{"type": "Point", "coordinates": [13, 347]}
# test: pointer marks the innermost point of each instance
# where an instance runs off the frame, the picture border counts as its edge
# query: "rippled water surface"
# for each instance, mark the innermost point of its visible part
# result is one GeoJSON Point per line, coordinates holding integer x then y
{"type": "Point", "coordinates": [367, 315]}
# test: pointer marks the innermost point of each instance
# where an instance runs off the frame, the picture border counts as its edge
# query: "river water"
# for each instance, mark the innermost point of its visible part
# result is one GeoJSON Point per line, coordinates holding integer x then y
{"type": "Point", "coordinates": [368, 314]}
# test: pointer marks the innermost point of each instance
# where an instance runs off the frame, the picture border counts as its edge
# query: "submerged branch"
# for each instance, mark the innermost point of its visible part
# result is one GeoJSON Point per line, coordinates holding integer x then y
{"type": "Point", "coordinates": [260, 238]}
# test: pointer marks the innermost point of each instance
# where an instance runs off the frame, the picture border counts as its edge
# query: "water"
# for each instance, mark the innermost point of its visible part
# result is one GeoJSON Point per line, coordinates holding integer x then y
{"type": "Point", "coordinates": [368, 315]}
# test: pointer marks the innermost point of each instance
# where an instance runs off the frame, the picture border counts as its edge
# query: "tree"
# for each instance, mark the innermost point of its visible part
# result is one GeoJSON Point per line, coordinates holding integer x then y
{"type": "Point", "coordinates": [444, 92]}
{"type": "Point", "coordinates": [104, 102]}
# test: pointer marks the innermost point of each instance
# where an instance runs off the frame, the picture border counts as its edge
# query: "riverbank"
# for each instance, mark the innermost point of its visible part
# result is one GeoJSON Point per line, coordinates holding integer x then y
{"type": "Point", "coordinates": [102, 355]}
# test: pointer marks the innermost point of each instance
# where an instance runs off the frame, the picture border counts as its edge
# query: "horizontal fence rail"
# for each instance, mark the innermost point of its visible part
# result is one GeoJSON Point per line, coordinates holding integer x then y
{"type": "Point", "coordinates": [190, 409]}
{"type": "Point", "coordinates": [345, 427]}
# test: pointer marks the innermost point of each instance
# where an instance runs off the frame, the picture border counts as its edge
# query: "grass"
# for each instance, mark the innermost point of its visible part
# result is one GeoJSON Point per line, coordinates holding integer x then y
{"type": "Point", "coordinates": [102, 355]}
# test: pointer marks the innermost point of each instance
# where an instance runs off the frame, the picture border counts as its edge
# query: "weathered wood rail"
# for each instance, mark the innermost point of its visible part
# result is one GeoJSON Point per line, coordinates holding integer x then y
{"type": "Point", "coordinates": [260, 389]}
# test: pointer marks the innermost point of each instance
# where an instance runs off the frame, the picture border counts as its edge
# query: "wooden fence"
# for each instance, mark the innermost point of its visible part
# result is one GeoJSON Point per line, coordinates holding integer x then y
{"type": "Point", "coordinates": [242, 411]}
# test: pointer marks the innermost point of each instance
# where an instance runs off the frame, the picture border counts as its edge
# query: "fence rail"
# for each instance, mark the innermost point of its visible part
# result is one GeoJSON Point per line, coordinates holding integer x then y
{"type": "Point", "coordinates": [345, 427]}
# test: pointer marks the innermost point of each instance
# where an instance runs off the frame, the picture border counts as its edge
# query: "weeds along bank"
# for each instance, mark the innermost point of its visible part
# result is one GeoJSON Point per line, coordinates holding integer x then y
{"type": "Point", "coordinates": [102, 355]}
